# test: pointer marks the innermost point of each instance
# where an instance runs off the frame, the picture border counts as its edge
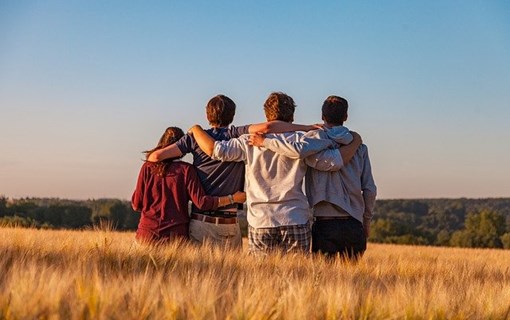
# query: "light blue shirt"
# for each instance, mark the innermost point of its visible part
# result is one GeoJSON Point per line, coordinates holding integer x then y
{"type": "Point", "coordinates": [351, 188]}
{"type": "Point", "coordinates": [274, 182]}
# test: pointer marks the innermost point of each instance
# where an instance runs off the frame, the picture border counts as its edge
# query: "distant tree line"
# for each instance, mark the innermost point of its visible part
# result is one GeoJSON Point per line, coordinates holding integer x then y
{"type": "Point", "coordinates": [67, 214]}
{"type": "Point", "coordinates": [475, 223]}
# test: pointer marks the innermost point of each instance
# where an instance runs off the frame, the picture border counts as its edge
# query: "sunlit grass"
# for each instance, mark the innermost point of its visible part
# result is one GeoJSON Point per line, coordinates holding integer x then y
{"type": "Point", "coordinates": [106, 275]}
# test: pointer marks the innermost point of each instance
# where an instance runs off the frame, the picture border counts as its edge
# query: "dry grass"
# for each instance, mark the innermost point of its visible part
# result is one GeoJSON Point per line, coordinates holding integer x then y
{"type": "Point", "coordinates": [105, 275]}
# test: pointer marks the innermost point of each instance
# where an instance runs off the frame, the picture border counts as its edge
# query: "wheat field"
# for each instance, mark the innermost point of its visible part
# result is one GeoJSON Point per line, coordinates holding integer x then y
{"type": "Point", "coordinates": [101, 274]}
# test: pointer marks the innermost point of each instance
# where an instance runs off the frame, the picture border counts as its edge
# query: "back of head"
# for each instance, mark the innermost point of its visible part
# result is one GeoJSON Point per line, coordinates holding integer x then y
{"type": "Point", "coordinates": [334, 110]}
{"type": "Point", "coordinates": [279, 106]}
{"type": "Point", "coordinates": [170, 136]}
{"type": "Point", "coordinates": [220, 111]}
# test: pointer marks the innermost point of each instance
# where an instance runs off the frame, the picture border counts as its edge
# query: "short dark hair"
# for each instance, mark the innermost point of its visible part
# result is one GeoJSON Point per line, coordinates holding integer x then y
{"type": "Point", "coordinates": [334, 110]}
{"type": "Point", "coordinates": [220, 110]}
{"type": "Point", "coordinates": [279, 106]}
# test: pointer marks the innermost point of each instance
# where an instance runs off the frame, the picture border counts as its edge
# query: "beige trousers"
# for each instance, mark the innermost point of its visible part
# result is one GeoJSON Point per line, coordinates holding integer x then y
{"type": "Point", "coordinates": [223, 235]}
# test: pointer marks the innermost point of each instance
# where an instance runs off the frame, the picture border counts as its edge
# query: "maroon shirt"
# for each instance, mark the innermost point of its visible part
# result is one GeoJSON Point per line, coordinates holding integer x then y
{"type": "Point", "coordinates": [163, 200]}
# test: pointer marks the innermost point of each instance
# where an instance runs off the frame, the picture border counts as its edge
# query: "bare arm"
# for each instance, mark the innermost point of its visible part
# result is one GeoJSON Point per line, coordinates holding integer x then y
{"type": "Point", "coordinates": [171, 151]}
{"type": "Point", "coordinates": [278, 126]}
{"type": "Point", "coordinates": [237, 197]}
{"type": "Point", "coordinates": [205, 141]}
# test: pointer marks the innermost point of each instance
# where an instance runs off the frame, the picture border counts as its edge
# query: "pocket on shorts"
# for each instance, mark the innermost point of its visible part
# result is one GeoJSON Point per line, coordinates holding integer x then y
{"type": "Point", "coordinates": [228, 232]}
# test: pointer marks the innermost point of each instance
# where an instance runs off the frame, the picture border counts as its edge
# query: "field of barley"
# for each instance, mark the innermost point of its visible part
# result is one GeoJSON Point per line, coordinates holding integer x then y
{"type": "Point", "coordinates": [100, 274]}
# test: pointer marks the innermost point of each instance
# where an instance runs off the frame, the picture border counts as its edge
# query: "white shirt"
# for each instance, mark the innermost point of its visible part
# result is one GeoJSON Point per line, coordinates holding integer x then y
{"type": "Point", "coordinates": [274, 181]}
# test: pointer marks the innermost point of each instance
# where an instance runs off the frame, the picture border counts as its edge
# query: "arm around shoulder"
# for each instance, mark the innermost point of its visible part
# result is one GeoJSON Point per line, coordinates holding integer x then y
{"type": "Point", "coordinates": [204, 141]}
{"type": "Point", "coordinates": [348, 151]}
{"type": "Point", "coordinates": [278, 126]}
{"type": "Point", "coordinates": [171, 151]}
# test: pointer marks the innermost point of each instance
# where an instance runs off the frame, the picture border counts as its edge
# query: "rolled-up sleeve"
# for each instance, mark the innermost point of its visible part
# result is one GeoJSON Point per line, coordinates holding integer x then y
{"type": "Point", "coordinates": [233, 150]}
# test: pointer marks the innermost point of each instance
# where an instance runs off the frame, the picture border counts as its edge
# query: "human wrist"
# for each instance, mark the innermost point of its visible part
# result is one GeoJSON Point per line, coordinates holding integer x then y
{"type": "Point", "coordinates": [231, 199]}
{"type": "Point", "coordinates": [223, 201]}
{"type": "Point", "coordinates": [311, 127]}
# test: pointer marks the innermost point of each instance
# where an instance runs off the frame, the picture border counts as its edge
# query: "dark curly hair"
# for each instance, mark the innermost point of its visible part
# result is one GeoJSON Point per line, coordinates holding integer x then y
{"type": "Point", "coordinates": [171, 135]}
{"type": "Point", "coordinates": [279, 106]}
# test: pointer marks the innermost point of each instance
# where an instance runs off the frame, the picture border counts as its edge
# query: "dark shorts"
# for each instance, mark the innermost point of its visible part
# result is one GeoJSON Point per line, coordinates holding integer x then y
{"type": "Point", "coordinates": [342, 237]}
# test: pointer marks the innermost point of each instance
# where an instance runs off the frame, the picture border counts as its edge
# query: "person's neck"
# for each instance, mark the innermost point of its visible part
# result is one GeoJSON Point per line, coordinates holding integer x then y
{"type": "Point", "coordinates": [329, 125]}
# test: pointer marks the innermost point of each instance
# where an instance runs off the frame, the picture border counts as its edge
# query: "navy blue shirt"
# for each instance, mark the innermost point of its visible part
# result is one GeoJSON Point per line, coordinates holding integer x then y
{"type": "Point", "coordinates": [218, 178]}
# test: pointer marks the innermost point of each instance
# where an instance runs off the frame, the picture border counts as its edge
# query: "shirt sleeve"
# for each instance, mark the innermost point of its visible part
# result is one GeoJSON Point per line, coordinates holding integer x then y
{"type": "Point", "coordinates": [368, 186]}
{"type": "Point", "coordinates": [196, 191]}
{"type": "Point", "coordinates": [137, 198]}
{"type": "Point", "coordinates": [233, 150]}
{"type": "Point", "coordinates": [185, 144]}
{"type": "Point", "coordinates": [326, 160]}
{"type": "Point", "coordinates": [299, 148]}
{"type": "Point", "coordinates": [236, 132]}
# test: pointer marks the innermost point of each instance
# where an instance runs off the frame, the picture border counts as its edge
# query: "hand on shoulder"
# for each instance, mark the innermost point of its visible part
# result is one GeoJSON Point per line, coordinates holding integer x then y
{"type": "Point", "coordinates": [256, 140]}
{"type": "Point", "coordinates": [193, 129]}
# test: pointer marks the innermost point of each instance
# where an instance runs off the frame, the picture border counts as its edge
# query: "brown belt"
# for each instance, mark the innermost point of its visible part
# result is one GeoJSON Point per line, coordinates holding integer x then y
{"type": "Point", "coordinates": [333, 218]}
{"type": "Point", "coordinates": [215, 220]}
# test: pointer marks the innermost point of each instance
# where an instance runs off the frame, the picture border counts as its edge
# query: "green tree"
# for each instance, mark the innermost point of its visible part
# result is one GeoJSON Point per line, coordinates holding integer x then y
{"type": "Point", "coordinates": [132, 219]}
{"type": "Point", "coordinates": [482, 230]}
{"type": "Point", "coordinates": [75, 216]}
{"type": "Point", "coordinates": [505, 240]}
{"type": "Point", "coordinates": [3, 206]}
{"type": "Point", "coordinates": [17, 221]}
{"type": "Point", "coordinates": [443, 238]}
{"type": "Point", "coordinates": [118, 213]}
{"type": "Point", "coordinates": [22, 208]}
{"type": "Point", "coordinates": [463, 238]}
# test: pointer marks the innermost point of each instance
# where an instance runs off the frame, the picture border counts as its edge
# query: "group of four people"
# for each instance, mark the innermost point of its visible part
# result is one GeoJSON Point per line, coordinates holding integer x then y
{"type": "Point", "coordinates": [270, 161]}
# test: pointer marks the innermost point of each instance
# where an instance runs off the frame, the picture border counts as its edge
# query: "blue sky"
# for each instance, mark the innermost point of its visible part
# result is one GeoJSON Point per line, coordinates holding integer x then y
{"type": "Point", "coordinates": [85, 86]}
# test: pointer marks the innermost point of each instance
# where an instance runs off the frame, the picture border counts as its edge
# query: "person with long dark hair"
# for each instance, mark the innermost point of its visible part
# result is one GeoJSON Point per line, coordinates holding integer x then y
{"type": "Point", "coordinates": [163, 191]}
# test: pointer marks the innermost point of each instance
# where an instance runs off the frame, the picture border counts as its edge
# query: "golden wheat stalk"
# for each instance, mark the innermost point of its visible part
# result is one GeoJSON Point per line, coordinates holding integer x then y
{"type": "Point", "coordinates": [105, 275]}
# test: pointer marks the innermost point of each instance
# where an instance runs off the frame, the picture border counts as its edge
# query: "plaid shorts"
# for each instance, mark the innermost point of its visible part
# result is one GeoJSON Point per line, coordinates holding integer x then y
{"type": "Point", "coordinates": [285, 239]}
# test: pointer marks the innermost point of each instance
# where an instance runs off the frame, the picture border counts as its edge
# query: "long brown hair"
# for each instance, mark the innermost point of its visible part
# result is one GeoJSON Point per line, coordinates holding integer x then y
{"type": "Point", "coordinates": [171, 135]}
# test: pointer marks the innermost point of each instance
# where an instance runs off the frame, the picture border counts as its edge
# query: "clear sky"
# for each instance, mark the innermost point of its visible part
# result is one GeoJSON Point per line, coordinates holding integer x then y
{"type": "Point", "coordinates": [85, 86]}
